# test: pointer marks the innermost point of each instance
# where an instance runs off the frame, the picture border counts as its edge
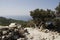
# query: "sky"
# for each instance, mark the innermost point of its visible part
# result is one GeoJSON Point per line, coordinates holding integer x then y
{"type": "Point", "coordinates": [23, 7]}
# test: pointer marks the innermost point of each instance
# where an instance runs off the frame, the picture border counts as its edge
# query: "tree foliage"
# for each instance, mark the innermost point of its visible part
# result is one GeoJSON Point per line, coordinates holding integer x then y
{"type": "Point", "coordinates": [5, 22]}
{"type": "Point", "coordinates": [40, 15]}
{"type": "Point", "coordinates": [58, 9]}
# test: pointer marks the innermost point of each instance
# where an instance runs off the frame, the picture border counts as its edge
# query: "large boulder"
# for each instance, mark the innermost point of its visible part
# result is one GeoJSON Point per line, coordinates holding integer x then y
{"type": "Point", "coordinates": [12, 25]}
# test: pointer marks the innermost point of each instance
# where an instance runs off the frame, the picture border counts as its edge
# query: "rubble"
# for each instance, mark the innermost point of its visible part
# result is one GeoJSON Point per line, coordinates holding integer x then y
{"type": "Point", "coordinates": [35, 34]}
{"type": "Point", "coordinates": [12, 32]}
{"type": "Point", "coordinates": [16, 32]}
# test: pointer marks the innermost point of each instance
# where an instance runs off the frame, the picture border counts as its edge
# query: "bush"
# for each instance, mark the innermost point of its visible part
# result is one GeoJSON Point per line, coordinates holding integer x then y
{"type": "Point", "coordinates": [56, 23]}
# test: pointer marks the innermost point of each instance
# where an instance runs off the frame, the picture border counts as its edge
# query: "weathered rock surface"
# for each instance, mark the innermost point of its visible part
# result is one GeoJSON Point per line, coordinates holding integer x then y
{"type": "Point", "coordinates": [36, 34]}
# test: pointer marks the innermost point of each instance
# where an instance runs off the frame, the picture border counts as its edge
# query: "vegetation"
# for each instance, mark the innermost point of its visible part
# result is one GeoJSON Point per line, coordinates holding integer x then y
{"type": "Point", "coordinates": [30, 23]}
{"type": "Point", "coordinates": [57, 21]}
{"type": "Point", "coordinates": [5, 22]}
{"type": "Point", "coordinates": [58, 9]}
{"type": "Point", "coordinates": [40, 17]}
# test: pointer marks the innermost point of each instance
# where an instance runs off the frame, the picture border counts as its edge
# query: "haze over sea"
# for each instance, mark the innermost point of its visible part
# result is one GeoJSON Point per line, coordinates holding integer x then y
{"type": "Point", "coordinates": [20, 9]}
{"type": "Point", "coordinates": [24, 18]}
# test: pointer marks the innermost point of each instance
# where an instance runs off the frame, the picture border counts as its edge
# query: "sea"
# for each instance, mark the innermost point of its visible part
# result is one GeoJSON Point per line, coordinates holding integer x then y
{"type": "Point", "coordinates": [24, 18]}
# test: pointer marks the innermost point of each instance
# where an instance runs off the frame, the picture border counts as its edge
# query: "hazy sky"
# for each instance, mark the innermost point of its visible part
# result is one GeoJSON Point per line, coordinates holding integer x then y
{"type": "Point", "coordinates": [23, 7]}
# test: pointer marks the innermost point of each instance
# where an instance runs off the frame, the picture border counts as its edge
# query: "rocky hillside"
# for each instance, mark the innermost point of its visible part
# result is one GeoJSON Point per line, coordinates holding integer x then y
{"type": "Point", "coordinates": [37, 34]}
{"type": "Point", "coordinates": [16, 32]}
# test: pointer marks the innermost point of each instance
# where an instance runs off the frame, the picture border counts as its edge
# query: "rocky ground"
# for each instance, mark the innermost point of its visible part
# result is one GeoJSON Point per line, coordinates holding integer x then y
{"type": "Point", "coordinates": [14, 32]}
{"type": "Point", "coordinates": [29, 34]}
{"type": "Point", "coordinates": [37, 34]}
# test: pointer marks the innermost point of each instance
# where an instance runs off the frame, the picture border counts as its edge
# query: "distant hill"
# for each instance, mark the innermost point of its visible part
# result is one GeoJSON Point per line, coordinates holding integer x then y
{"type": "Point", "coordinates": [6, 21]}
{"type": "Point", "coordinates": [24, 18]}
